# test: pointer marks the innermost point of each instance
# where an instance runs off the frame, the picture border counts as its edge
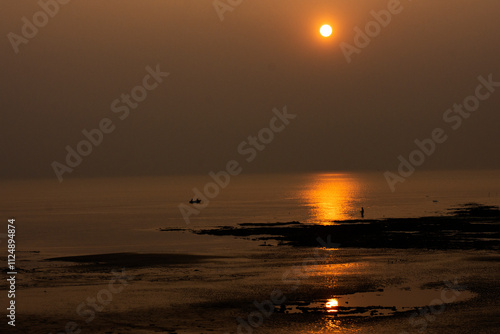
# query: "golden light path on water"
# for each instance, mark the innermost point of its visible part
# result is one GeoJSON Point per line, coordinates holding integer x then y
{"type": "Point", "coordinates": [333, 197]}
{"type": "Point", "coordinates": [331, 305]}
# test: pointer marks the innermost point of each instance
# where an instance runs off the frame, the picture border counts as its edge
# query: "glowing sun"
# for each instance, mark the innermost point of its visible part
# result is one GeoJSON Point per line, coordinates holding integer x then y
{"type": "Point", "coordinates": [325, 30]}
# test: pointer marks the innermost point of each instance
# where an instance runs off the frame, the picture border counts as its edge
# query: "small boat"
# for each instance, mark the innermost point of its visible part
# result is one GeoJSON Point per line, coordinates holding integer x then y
{"type": "Point", "coordinates": [197, 201]}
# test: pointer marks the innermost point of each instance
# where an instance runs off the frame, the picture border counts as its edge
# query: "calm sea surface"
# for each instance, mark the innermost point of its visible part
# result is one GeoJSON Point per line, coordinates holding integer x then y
{"type": "Point", "coordinates": [124, 214]}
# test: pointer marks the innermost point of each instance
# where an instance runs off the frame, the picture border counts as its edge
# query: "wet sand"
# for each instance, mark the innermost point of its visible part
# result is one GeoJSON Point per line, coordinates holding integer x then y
{"type": "Point", "coordinates": [208, 296]}
{"type": "Point", "coordinates": [131, 260]}
{"type": "Point", "coordinates": [378, 289]}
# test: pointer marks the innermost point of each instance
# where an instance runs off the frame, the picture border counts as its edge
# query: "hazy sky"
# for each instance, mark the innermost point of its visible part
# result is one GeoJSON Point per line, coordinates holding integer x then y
{"type": "Point", "coordinates": [227, 76]}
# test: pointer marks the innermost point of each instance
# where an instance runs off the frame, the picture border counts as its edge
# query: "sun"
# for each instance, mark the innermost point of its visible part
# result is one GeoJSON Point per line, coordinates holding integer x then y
{"type": "Point", "coordinates": [325, 30]}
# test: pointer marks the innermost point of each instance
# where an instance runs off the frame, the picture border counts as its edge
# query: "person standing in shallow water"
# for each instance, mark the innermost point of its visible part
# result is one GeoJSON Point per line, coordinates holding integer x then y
{"type": "Point", "coordinates": [362, 212]}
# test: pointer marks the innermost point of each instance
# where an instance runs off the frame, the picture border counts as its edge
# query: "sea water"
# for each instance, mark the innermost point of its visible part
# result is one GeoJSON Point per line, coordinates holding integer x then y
{"type": "Point", "coordinates": [126, 214]}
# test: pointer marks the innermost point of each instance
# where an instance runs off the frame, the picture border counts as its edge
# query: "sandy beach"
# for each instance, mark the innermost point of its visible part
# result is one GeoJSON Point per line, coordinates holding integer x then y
{"type": "Point", "coordinates": [278, 286]}
{"type": "Point", "coordinates": [250, 166]}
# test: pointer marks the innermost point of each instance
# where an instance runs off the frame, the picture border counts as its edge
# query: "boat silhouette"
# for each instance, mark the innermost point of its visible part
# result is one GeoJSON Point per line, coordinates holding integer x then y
{"type": "Point", "coordinates": [197, 201]}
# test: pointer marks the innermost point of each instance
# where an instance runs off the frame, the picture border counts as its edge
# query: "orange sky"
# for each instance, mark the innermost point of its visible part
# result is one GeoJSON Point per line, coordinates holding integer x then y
{"type": "Point", "coordinates": [226, 77]}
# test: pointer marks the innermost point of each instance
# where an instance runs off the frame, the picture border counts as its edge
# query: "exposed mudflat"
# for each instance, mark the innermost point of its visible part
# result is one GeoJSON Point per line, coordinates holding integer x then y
{"type": "Point", "coordinates": [471, 226]}
{"type": "Point", "coordinates": [394, 276]}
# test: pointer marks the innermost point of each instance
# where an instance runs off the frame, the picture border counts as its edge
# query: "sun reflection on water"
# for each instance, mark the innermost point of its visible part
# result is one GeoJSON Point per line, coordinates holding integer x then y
{"type": "Point", "coordinates": [331, 305]}
{"type": "Point", "coordinates": [333, 197]}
